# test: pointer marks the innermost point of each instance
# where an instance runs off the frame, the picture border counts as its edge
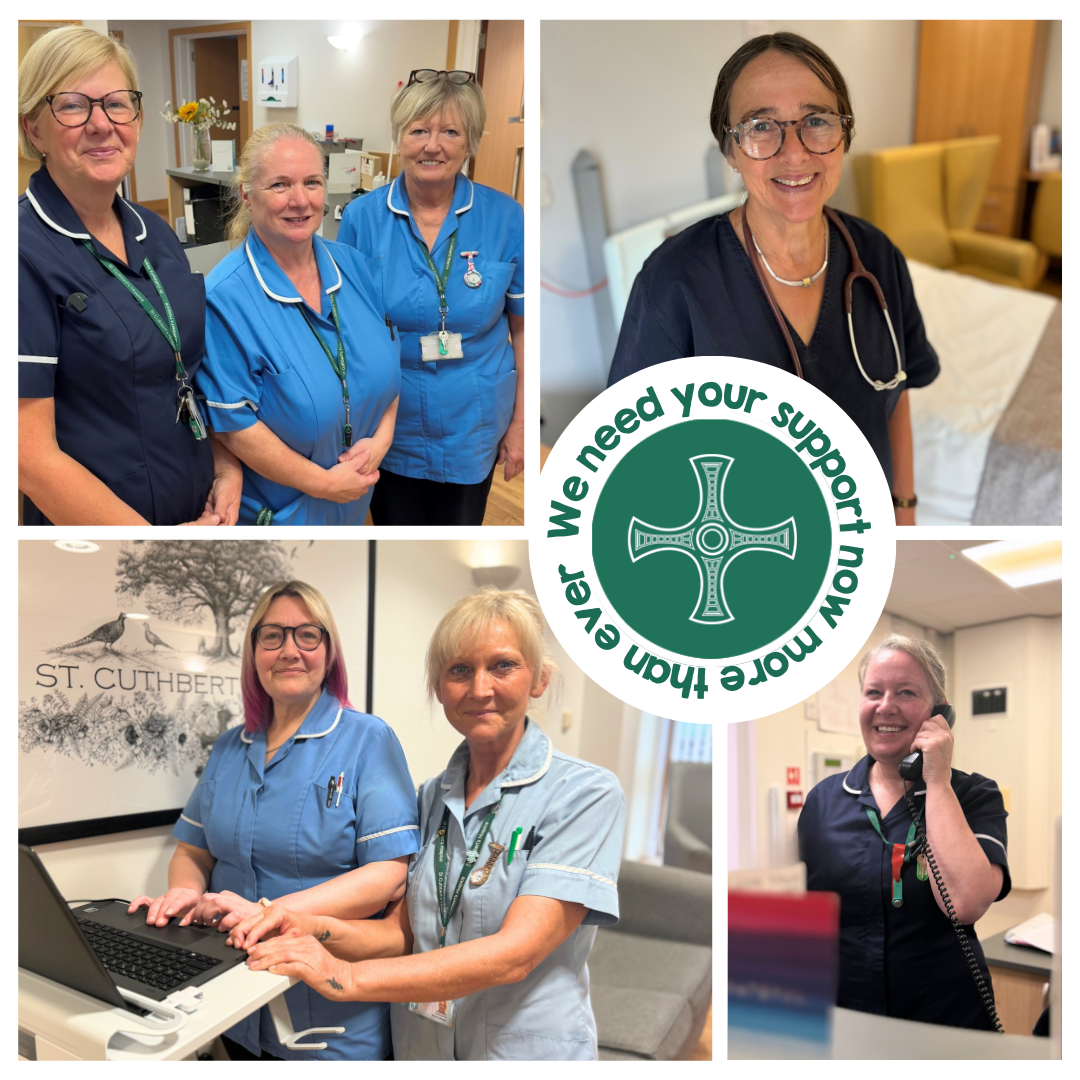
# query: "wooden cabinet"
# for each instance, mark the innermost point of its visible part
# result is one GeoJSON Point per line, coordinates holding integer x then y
{"type": "Point", "coordinates": [984, 77]}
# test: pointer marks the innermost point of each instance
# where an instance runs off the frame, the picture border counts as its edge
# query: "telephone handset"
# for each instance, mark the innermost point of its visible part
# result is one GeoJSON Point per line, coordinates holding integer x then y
{"type": "Point", "coordinates": [911, 766]}
{"type": "Point", "coordinates": [911, 770]}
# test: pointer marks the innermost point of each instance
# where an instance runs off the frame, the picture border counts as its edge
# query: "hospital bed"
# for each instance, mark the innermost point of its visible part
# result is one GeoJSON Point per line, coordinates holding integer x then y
{"type": "Point", "coordinates": [987, 432]}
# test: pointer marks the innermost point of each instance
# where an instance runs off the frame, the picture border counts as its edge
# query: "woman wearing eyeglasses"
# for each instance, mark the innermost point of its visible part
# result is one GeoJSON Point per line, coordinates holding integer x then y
{"type": "Point", "coordinates": [453, 262]}
{"type": "Point", "coordinates": [110, 315]}
{"type": "Point", "coordinates": [767, 281]}
{"type": "Point", "coordinates": [309, 803]}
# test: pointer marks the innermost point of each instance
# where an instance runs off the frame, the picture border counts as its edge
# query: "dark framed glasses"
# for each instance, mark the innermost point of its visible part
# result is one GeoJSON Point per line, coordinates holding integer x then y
{"type": "Point", "coordinates": [761, 137]}
{"type": "Point", "coordinates": [422, 75]}
{"type": "Point", "coordinates": [73, 110]}
{"type": "Point", "coordinates": [270, 636]}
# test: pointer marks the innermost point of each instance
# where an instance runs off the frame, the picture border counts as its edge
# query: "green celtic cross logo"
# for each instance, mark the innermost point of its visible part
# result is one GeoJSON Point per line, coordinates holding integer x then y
{"type": "Point", "coordinates": [711, 538]}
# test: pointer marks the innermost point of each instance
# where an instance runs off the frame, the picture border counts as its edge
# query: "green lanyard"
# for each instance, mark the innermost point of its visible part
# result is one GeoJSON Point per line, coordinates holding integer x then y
{"type": "Point", "coordinates": [171, 333]}
{"type": "Point", "coordinates": [338, 363]}
{"type": "Point", "coordinates": [440, 282]}
{"type": "Point", "coordinates": [901, 853]}
{"type": "Point", "coordinates": [447, 913]}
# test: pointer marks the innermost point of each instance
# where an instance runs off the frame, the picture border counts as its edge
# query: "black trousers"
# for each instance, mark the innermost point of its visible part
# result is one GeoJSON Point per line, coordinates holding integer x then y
{"type": "Point", "coordinates": [404, 500]}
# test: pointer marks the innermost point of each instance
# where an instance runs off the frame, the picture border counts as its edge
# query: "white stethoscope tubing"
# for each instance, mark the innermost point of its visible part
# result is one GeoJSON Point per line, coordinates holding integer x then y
{"type": "Point", "coordinates": [877, 384]}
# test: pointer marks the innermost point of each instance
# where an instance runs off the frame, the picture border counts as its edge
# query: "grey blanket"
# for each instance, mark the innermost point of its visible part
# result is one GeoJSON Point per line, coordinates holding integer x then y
{"type": "Point", "coordinates": [1021, 483]}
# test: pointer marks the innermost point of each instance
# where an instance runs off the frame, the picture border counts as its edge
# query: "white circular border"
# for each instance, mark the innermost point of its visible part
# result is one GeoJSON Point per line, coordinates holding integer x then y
{"type": "Point", "coordinates": [838, 645]}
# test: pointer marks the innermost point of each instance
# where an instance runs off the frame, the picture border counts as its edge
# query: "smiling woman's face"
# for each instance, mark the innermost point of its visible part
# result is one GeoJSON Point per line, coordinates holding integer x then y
{"type": "Point", "coordinates": [485, 688]}
{"type": "Point", "coordinates": [794, 184]}
{"type": "Point", "coordinates": [99, 153]}
{"type": "Point", "coordinates": [290, 675]}
{"type": "Point", "coordinates": [286, 199]}
{"type": "Point", "coordinates": [896, 701]}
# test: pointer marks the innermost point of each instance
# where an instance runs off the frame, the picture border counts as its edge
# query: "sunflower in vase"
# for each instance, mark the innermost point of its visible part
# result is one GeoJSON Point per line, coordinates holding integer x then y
{"type": "Point", "coordinates": [200, 116]}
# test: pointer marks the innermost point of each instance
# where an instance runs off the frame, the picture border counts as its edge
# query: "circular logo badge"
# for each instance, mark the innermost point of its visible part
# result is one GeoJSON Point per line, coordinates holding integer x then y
{"type": "Point", "coordinates": [718, 539]}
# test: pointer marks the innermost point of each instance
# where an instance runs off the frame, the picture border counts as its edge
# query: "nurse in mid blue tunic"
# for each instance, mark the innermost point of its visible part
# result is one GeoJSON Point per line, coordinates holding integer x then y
{"type": "Point", "coordinates": [452, 254]}
{"type": "Point", "coordinates": [518, 865]}
{"type": "Point", "coordinates": [301, 371]}
{"type": "Point", "coordinates": [309, 804]}
{"type": "Point", "coordinates": [110, 314]}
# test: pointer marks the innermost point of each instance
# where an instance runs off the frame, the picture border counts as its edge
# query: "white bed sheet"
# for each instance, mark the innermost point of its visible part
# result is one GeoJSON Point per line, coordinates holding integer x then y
{"type": "Point", "coordinates": [985, 336]}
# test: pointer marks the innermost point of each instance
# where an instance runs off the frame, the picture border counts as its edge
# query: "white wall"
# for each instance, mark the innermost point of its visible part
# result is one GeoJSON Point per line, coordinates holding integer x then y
{"type": "Point", "coordinates": [1050, 101]}
{"type": "Point", "coordinates": [351, 90]}
{"type": "Point", "coordinates": [1021, 752]}
{"type": "Point", "coordinates": [637, 96]}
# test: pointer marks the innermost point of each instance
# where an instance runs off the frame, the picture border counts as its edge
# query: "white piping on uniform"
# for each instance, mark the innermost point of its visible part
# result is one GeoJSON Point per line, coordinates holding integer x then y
{"type": "Point", "coordinates": [570, 870]}
{"type": "Point", "coordinates": [515, 296]}
{"type": "Point", "coordinates": [983, 836]}
{"type": "Point", "coordinates": [850, 791]}
{"type": "Point", "coordinates": [536, 776]}
{"type": "Point", "coordinates": [389, 195]}
{"type": "Point", "coordinates": [387, 832]}
{"type": "Point", "coordinates": [273, 296]}
{"type": "Point", "coordinates": [245, 738]}
{"type": "Point", "coordinates": [49, 221]}
{"type": "Point", "coordinates": [142, 235]}
{"type": "Point", "coordinates": [38, 359]}
{"type": "Point", "coordinates": [469, 207]}
{"type": "Point", "coordinates": [320, 734]}
{"type": "Point", "coordinates": [197, 824]}
{"type": "Point", "coordinates": [227, 405]}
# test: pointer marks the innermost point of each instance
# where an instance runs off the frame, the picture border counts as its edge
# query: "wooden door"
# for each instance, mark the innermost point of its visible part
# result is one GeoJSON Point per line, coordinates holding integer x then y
{"type": "Point", "coordinates": [500, 162]}
{"type": "Point", "coordinates": [946, 58]}
{"type": "Point", "coordinates": [217, 75]}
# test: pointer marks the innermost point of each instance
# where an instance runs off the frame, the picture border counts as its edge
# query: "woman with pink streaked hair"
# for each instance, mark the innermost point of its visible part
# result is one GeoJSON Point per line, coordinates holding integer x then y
{"type": "Point", "coordinates": [309, 803]}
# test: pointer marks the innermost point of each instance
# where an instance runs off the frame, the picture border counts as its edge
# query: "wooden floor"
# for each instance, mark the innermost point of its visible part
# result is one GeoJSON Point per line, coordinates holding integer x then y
{"type": "Point", "coordinates": [506, 502]}
{"type": "Point", "coordinates": [703, 1050]}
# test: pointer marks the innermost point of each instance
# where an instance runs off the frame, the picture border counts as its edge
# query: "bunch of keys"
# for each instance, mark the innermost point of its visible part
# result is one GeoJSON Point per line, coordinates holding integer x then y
{"type": "Point", "coordinates": [188, 409]}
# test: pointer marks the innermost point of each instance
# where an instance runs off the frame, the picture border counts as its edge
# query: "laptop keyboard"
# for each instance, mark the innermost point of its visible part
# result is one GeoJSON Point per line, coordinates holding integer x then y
{"type": "Point", "coordinates": [159, 966]}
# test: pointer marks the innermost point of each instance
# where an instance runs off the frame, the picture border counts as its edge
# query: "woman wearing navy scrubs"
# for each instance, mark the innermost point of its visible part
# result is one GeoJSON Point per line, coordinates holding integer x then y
{"type": "Point", "coordinates": [110, 315]}
{"type": "Point", "coordinates": [452, 254]}
{"type": "Point", "coordinates": [517, 866]}
{"type": "Point", "coordinates": [781, 114]}
{"type": "Point", "coordinates": [308, 804]}
{"type": "Point", "coordinates": [903, 959]}
{"type": "Point", "coordinates": [301, 370]}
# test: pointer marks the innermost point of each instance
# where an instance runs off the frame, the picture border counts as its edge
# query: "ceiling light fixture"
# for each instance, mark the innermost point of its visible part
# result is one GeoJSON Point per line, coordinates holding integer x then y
{"type": "Point", "coordinates": [80, 547]}
{"type": "Point", "coordinates": [348, 38]}
{"type": "Point", "coordinates": [1019, 562]}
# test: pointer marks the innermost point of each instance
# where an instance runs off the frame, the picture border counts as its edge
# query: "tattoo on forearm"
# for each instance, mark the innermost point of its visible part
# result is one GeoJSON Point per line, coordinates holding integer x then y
{"type": "Point", "coordinates": [335, 984]}
{"type": "Point", "coordinates": [324, 936]}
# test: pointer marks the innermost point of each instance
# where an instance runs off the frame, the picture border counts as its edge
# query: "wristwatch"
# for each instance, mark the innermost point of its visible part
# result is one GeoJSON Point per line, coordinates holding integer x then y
{"type": "Point", "coordinates": [904, 504]}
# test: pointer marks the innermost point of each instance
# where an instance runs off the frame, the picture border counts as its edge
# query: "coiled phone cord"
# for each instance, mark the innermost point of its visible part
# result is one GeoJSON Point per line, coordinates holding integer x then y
{"type": "Point", "coordinates": [923, 847]}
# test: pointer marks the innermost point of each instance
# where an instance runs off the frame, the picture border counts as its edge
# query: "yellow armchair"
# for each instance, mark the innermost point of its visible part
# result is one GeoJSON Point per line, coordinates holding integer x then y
{"type": "Point", "coordinates": [926, 199]}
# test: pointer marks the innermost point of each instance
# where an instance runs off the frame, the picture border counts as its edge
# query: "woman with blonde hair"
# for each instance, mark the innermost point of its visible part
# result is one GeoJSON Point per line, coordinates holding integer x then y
{"type": "Point", "coordinates": [453, 257]}
{"type": "Point", "coordinates": [308, 804]}
{"type": "Point", "coordinates": [485, 957]}
{"type": "Point", "coordinates": [301, 372]}
{"type": "Point", "coordinates": [110, 315]}
{"type": "Point", "coordinates": [916, 856]}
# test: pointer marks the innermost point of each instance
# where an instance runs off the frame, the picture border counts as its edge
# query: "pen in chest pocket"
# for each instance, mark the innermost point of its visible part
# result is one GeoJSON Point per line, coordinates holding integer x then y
{"type": "Point", "coordinates": [340, 784]}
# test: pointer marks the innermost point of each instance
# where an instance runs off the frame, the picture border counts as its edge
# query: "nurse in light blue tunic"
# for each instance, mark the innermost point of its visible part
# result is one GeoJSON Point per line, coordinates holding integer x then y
{"type": "Point", "coordinates": [447, 243]}
{"type": "Point", "coordinates": [313, 808]}
{"type": "Point", "coordinates": [518, 864]}
{"type": "Point", "coordinates": [301, 373]}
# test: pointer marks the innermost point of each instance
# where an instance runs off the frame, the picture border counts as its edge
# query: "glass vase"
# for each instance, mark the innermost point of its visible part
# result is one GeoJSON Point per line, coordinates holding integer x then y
{"type": "Point", "coordinates": [200, 158]}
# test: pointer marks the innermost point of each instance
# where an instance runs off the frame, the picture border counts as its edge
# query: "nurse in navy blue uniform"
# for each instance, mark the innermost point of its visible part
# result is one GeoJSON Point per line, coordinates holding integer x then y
{"type": "Point", "coordinates": [782, 116]}
{"type": "Point", "coordinates": [487, 956]}
{"type": "Point", "coordinates": [308, 804]}
{"type": "Point", "coordinates": [110, 315]}
{"type": "Point", "coordinates": [452, 254]}
{"type": "Point", "coordinates": [899, 955]}
{"type": "Point", "coordinates": [301, 372]}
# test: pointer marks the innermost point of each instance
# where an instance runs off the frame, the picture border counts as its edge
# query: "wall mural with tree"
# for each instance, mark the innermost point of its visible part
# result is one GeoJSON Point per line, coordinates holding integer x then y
{"type": "Point", "coordinates": [130, 666]}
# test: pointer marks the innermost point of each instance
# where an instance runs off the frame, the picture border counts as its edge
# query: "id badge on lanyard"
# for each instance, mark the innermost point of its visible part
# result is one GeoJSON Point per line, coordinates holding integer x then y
{"type": "Point", "coordinates": [441, 345]}
{"type": "Point", "coordinates": [439, 1012]}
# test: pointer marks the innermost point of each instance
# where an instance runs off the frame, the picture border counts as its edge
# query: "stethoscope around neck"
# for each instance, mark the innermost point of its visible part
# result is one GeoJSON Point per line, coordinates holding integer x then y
{"type": "Point", "coordinates": [858, 271]}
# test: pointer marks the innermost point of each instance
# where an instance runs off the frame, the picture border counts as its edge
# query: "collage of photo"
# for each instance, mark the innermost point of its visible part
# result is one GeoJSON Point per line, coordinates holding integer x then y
{"type": "Point", "coordinates": [784, 467]}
